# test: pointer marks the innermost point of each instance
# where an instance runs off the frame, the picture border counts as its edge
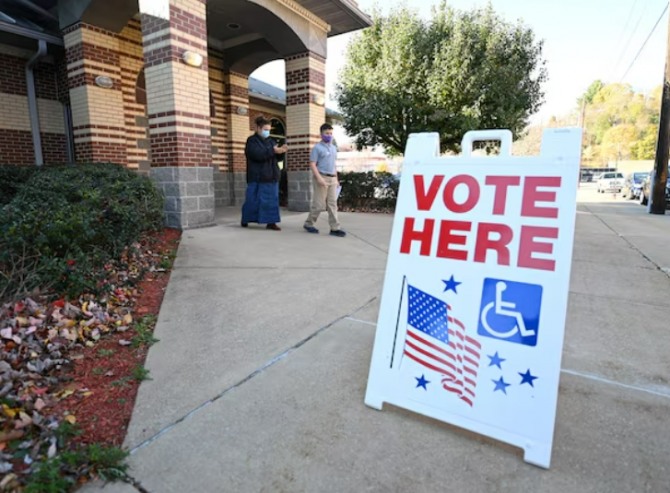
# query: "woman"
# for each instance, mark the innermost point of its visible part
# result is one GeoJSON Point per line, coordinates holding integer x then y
{"type": "Point", "coordinates": [261, 204]}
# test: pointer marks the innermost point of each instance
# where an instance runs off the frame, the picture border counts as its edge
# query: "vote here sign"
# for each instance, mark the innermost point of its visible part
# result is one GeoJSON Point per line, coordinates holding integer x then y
{"type": "Point", "coordinates": [472, 316]}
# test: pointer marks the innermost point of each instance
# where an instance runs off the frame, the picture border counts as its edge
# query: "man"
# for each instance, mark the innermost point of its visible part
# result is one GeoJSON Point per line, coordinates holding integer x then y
{"type": "Point", "coordinates": [324, 185]}
{"type": "Point", "coordinates": [261, 203]}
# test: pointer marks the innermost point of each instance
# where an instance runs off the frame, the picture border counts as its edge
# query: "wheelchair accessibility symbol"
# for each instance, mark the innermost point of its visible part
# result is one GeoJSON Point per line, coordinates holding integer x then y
{"type": "Point", "coordinates": [510, 311]}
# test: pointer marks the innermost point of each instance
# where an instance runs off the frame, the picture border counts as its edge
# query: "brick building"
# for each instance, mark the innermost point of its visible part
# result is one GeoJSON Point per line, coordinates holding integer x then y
{"type": "Point", "coordinates": [162, 86]}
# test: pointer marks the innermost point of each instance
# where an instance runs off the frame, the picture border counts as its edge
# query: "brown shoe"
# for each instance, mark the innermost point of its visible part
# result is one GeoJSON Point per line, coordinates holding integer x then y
{"type": "Point", "coordinates": [273, 227]}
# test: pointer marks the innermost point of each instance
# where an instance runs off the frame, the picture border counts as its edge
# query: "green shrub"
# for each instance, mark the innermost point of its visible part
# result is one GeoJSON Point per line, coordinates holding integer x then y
{"type": "Point", "coordinates": [64, 223]}
{"type": "Point", "coordinates": [368, 191]}
{"type": "Point", "coordinates": [12, 178]}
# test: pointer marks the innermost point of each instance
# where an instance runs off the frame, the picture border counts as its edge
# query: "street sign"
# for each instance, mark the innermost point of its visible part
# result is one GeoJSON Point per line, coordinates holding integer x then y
{"type": "Point", "coordinates": [472, 316]}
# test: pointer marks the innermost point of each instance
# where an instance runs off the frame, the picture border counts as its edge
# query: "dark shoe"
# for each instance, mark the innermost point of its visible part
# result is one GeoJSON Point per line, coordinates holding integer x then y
{"type": "Point", "coordinates": [244, 225]}
{"type": "Point", "coordinates": [339, 233]}
{"type": "Point", "coordinates": [273, 227]}
{"type": "Point", "coordinates": [311, 229]}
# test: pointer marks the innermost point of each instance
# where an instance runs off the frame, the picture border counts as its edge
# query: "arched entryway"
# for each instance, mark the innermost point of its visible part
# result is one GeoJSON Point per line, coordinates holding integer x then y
{"type": "Point", "coordinates": [278, 133]}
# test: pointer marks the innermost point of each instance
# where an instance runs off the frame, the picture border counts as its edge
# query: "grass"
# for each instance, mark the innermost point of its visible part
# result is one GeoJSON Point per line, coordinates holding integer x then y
{"type": "Point", "coordinates": [97, 371]}
{"type": "Point", "coordinates": [144, 332]}
{"type": "Point", "coordinates": [105, 352]}
{"type": "Point", "coordinates": [121, 382]}
{"type": "Point", "coordinates": [140, 373]}
{"type": "Point", "coordinates": [60, 473]}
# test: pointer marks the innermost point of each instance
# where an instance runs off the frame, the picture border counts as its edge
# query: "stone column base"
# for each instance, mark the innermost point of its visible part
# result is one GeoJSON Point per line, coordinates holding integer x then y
{"type": "Point", "coordinates": [189, 195]}
{"type": "Point", "coordinates": [299, 190]}
{"type": "Point", "coordinates": [229, 188]}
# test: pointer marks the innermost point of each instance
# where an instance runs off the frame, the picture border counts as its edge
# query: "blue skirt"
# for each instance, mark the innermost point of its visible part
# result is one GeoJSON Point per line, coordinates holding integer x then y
{"type": "Point", "coordinates": [261, 204]}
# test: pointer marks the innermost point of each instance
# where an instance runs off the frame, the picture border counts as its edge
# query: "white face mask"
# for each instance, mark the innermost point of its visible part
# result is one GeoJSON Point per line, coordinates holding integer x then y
{"type": "Point", "coordinates": [265, 134]}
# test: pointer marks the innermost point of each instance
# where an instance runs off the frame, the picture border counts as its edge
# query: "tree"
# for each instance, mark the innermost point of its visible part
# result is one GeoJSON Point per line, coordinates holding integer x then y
{"type": "Point", "coordinates": [456, 72]}
{"type": "Point", "coordinates": [619, 122]}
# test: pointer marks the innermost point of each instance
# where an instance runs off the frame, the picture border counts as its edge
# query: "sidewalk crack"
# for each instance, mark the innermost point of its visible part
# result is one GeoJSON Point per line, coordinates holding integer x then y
{"type": "Point", "coordinates": [268, 364]}
{"type": "Point", "coordinates": [630, 243]}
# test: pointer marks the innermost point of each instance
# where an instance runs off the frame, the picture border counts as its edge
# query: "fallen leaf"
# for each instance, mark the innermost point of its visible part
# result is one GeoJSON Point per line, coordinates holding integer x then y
{"type": "Point", "coordinates": [10, 435]}
{"type": "Point", "coordinates": [6, 333]}
{"type": "Point", "coordinates": [124, 342]}
{"type": "Point", "coordinates": [70, 418]}
{"type": "Point", "coordinates": [39, 404]}
{"type": "Point", "coordinates": [127, 319]}
{"type": "Point", "coordinates": [52, 449]}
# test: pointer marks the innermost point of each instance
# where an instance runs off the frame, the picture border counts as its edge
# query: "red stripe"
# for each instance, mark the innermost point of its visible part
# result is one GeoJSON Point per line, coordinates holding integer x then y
{"type": "Point", "coordinates": [457, 322]}
{"type": "Point", "coordinates": [473, 342]}
{"type": "Point", "coordinates": [430, 355]}
{"type": "Point", "coordinates": [470, 381]}
{"type": "Point", "coordinates": [472, 362]}
{"type": "Point", "coordinates": [465, 399]}
{"type": "Point", "coordinates": [424, 363]}
{"type": "Point", "coordinates": [427, 343]}
{"type": "Point", "coordinates": [472, 351]}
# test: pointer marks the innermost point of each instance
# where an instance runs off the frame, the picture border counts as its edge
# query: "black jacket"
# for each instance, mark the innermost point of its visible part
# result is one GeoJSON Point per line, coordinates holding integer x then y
{"type": "Point", "coordinates": [261, 160]}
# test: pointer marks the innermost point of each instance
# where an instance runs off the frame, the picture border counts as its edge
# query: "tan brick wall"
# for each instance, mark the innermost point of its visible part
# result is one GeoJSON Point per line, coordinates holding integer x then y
{"type": "Point", "coordinates": [305, 81]}
{"type": "Point", "coordinates": [220, 156]}
{"type": "Point", "coordinates": [236, 95]}
{"type": "Point", "coordinates": [177, 94]}
{"type": "Point", "coordinates": [97, 113]}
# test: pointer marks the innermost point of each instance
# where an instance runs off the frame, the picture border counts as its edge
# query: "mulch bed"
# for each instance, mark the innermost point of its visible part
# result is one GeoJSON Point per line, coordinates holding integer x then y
{"type": "Point", "coordinates": [106, 369]}
{"type": "Point", "coordinates": [78, 361]}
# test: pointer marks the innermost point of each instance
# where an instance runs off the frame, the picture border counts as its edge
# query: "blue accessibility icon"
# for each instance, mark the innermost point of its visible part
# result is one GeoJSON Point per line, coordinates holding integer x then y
{"type": "Point", "coordinates": [510, 311]}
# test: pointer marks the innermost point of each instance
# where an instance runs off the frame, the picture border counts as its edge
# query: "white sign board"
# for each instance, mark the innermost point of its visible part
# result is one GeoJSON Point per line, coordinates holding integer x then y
{"type": "Point", "coordinates": [470, 329]}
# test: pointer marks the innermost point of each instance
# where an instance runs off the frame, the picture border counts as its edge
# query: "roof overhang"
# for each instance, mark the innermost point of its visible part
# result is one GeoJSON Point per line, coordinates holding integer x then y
{"type": "Point", "coordinates": [342, 16]}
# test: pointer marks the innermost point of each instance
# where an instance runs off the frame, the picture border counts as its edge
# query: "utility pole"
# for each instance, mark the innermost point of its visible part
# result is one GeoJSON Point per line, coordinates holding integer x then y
{"type": "Point", "coordinates": [660, 175]}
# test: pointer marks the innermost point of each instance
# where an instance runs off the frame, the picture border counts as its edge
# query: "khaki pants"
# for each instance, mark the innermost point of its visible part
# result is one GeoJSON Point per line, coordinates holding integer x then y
{"type": "Point", "coordinates": [324, 199]}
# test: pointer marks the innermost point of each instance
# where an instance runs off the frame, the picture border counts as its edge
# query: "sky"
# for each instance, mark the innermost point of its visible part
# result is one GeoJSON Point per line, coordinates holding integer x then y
{"type": "Point", "coordinates": [584, 40]}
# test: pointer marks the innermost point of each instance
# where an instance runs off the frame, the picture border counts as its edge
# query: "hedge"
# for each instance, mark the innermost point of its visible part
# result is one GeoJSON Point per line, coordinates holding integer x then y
{"type": "Point", "coordinates": [63, 223]}
{"type": "Point", "coordinates": [368, 191]}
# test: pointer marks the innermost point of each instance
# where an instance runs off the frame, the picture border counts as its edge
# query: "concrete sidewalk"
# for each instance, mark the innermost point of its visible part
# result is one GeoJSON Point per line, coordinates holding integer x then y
{"type": "Point", "coordinates": [265, 343]}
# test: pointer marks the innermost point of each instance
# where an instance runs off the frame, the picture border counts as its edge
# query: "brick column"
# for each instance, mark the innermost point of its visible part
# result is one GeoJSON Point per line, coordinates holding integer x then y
{"type": "Point", "coordinates": [178, 109]}
{"type": "Point", "coordinates": [236, 107]}
{"type": "Point", "coordinates": [305, 84]}
{"type": "Point", "coordinates": [97, 112]}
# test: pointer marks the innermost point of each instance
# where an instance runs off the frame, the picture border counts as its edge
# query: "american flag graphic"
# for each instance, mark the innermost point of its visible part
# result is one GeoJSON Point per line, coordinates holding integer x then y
{"type": "Point", "coordinates": [438, 342]}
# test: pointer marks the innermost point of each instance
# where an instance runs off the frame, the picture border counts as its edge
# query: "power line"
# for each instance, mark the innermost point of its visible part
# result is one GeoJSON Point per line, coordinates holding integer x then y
{"type": "Point", "coordinates": [626, 44]}
{"type": "Point", "coordinates": [620, 46]}
{"type": "Point", "coordinates": [665, 9]}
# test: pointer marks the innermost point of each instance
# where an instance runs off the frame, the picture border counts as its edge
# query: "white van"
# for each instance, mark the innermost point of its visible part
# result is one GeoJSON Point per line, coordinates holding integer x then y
{"type": "Point", "coordinates": [610, 182]}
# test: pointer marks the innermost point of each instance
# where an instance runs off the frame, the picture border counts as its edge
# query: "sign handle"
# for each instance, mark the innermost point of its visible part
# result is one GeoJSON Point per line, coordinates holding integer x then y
{"type": "Point", "coordinates": [397, 322]}
{"type": "Point", "coordinates": [503, 136]}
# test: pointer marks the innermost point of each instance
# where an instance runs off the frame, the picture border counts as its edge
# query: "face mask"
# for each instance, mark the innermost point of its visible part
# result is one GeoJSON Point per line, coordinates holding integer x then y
{"type": "Point", "coordinates": [265, 134]}
{"type": "Point", "coordinates": [327, 138]}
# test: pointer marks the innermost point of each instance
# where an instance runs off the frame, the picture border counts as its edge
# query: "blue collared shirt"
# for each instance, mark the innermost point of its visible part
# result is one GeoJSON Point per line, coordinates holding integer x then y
{"type": "Point", "coordinates": [325, 157]}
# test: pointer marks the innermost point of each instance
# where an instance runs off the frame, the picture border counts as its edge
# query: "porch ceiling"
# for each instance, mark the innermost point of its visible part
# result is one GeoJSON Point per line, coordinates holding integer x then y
{"type": "Point", "coordinates": [343, 15]}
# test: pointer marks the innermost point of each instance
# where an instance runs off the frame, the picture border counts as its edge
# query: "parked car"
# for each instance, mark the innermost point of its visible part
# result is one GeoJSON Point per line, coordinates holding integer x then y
{"type": "Point", "coordinates": [610, 182]}
{"type": "Point", "coordinates": [633, 185]}
{"type": "Point", "coordinates": [645, 191]}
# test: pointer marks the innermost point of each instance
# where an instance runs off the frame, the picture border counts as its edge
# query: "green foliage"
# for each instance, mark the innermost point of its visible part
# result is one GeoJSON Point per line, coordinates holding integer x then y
{"type": "Point", "coordinates": [144, 330]}
{"type": "Point", "coordinates": [455, 72]}
{"type": "Point", "coordinates": [12, 178]}
{"type": "Point", "coordinates": [619, 123]}
{"type": "Point", "coordinates": [140, 374]}
{"type": "Point", "coordinates": [64, 223]}
{"type": "Point", "coordinates": [368, 191]}
{"type": "Point", "coordinates": [59, 474]}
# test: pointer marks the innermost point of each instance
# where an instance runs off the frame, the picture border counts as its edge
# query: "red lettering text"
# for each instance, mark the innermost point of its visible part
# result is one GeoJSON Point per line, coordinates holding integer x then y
{"type": "Point", "coordinates": [501, 184]}
{"type": "Point", "coordinates": [531, 196]}
{"type": "Point", "coordinates": [424, 201]}
{"type": "Point", "coordinates": [425, 237]}
{"type": "Point", "coordinates": [448, 238]}
{"type": "Point", "coordinates": [473, 193]}
{"type": "Point", "coordinates": [499, 244]}
{"type": "Point", "coordinates": [528, 246]}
